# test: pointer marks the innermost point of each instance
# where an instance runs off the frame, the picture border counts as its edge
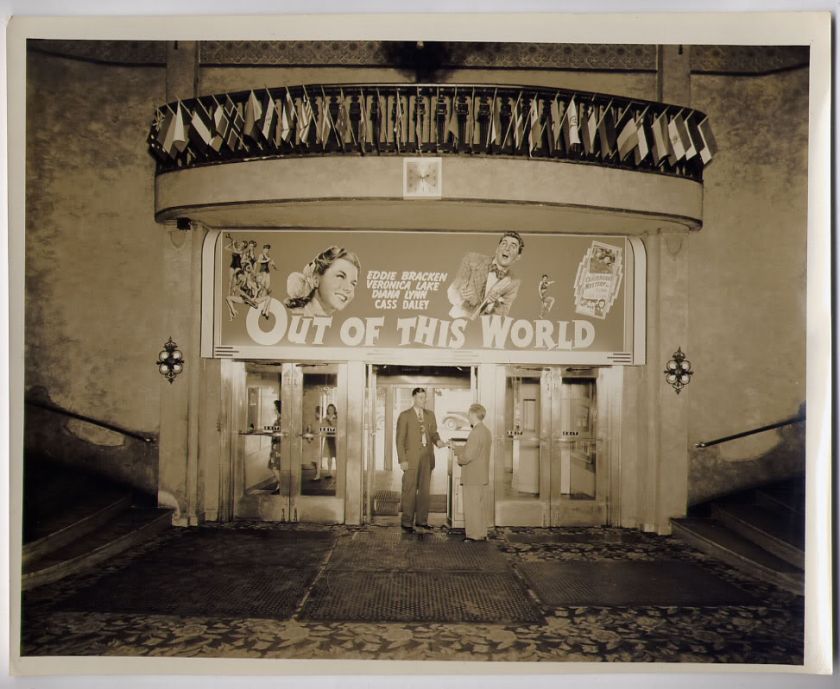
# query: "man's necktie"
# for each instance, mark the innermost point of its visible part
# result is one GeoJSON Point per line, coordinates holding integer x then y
{"type": "Point", "coordinates": [499, 272]}
{"type": "Point", "coordinates": [423, 440]}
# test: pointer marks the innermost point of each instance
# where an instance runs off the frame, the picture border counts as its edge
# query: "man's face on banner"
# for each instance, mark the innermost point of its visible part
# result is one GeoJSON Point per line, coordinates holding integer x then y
{"type": "Point", "coordinates": [507, 252]}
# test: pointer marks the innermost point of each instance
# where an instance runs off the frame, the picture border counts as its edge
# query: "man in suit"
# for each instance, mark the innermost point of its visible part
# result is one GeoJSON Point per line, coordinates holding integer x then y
{"type": "Point", "coordinates": [485, 285]}
{"type": "Point", "coordinates": [474, 458]}
{"type": "Point", "coordinates": [417, 436]}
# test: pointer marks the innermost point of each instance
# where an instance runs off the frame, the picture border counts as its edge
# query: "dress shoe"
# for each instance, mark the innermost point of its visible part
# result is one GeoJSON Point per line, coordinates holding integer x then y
{"type": "Point", "coordinates": [425, 526]}
{"type": "Point", "coordinates": [406, 528]}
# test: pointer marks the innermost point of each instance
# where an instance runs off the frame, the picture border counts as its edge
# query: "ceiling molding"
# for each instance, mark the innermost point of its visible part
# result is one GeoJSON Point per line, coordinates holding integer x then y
{"type": "Point", "coordinates": [747, 59]}
{"type": "Point", "coordinates": [463, 55]}
{"type": "Point", "coordinates": [151, 53]}
{"type": "Point", "coordinates": [714, 59]}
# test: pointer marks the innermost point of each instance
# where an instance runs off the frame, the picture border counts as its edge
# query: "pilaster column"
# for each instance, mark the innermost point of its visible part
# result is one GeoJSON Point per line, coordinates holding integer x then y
{"type": "Point", "coordinates": [354, 383]}
{"type": "Point", "coordinates": [491, 386]}
{"type": "Point", "coordinates": [182, 75]}
{"type": "Point", "coordinates": [181, 256]}
{"type": "Point", "coordinates": [663, 432]}
{"type": "Point", "coordinates": [179, 402]}
{"type": "Point", "coordinates": [673, 74]}
{"type": "Point", "coordinates": [664, 425]}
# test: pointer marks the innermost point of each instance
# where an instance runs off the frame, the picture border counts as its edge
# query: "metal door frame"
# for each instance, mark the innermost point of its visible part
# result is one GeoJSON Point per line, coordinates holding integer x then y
{"type": "Point", "coordinates": [328, 509]}
{"type": "Point", "coordinates": [372, 381]}
{"type": "Point", "coordinates": [289, 505]}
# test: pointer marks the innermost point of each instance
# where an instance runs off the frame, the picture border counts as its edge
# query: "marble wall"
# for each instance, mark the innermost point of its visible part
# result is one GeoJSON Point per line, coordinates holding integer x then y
{"type": "Point", "coordinates": [747, 281]}
{"type": "Point", "coordinates": [93, 288]}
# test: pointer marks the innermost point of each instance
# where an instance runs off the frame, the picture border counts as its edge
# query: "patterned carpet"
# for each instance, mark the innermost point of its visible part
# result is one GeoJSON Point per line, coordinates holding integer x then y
{"type": "Point", "coordinates": [207, 601]}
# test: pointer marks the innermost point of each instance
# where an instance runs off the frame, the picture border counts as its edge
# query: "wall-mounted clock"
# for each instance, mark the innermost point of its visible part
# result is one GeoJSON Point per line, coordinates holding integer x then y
{"type": "Point", "coordinates": [422, 178]}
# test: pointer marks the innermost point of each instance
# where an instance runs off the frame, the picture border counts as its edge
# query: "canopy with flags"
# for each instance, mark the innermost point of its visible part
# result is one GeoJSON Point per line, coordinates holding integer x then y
{"type": "Point", "coordinates": [545, 123]}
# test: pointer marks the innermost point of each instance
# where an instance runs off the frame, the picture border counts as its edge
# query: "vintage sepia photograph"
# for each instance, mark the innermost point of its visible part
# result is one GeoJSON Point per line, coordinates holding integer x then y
{"type": "Point", "coordinates": [415, 350]}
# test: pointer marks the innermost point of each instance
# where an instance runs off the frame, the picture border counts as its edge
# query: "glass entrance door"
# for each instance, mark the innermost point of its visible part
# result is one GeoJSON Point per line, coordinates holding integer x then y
{"type": "Point", "coordinates": [576, 494]}
{"type": "Point", "coordinates": [318, 447]}
{"type": "Point", "coordinates": [545, 472]}
{"type": "Point", "coordinates": [575, 439]}
{"type": "Point", "coordinates": [262, 479]}
{"type": "Point", "coordinates": [522, 460]}
{"type": "Point", "coordinates": [449, 393]}
{"type": "Point", "coordinates": [289, 443]}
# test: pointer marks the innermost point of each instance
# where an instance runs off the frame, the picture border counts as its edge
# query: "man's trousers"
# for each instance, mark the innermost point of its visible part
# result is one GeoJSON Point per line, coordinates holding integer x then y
{"type": "Point", "coordinates": [475, 522]}
{"type": "Point", "coordinates": [415, 492]}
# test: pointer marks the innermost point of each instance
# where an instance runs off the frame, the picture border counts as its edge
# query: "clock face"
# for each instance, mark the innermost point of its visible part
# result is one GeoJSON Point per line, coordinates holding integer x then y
{"type": "Point", "coordinates": [421, 177]}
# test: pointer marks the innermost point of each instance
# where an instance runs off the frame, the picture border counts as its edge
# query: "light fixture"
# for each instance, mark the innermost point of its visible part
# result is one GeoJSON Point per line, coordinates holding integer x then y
{"type": "Point", "coordinates": [678, 371]}
{"type": "Point", "coordinates": [170, 360]}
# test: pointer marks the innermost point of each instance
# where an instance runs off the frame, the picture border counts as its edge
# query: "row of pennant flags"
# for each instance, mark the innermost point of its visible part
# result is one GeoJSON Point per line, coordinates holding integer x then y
{"type": "Point", "coordinates": [401, 120]}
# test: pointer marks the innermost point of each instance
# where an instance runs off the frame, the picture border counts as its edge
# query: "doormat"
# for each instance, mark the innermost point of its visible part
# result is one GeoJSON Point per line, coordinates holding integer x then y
{"type": "Point", "coordinates": [456, 597]}
{"type": "Point", "coordinates": [415, 554]}
{"type": "Point", "coordinates": [386, 503]}
{"type": "Point", "coordinates": [623, 583]}
{"type": "Point", "coordinates": [212, 547]}
{"type": "Point", "coordinates": [586, 536]}
{"type": "Point", "coordinates": [235, 573]}
{"type": "Point", "coordinates": [437, 503]}
{"type": "Point", "coordinates": [241, 590]}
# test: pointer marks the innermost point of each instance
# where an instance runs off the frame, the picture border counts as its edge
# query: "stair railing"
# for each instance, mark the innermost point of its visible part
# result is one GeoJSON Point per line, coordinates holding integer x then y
{"type": "Point", "coordinates": [54, 408]}
{"type": "Point", "coordinates": [761, 429]}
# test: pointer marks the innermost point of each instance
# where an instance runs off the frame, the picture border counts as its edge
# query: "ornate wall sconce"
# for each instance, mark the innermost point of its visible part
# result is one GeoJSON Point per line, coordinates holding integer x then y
{"type": "Point", "coordinates": [170, 361]}
{"type": "Point", "coordinates": [678, 371]}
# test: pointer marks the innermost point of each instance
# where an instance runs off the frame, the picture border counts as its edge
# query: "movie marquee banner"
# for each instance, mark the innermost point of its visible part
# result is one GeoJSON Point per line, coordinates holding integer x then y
{"type": "Point", "coordinates": [423, 297]}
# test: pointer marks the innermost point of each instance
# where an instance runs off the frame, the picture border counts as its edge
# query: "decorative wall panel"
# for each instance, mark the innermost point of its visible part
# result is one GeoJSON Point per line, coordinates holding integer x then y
{"type": "Point", "coordinates": [572, 56]}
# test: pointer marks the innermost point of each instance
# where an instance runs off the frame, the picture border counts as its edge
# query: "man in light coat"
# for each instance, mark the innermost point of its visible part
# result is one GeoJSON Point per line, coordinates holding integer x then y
{"type": "Point", "coordinates": [474, 458]}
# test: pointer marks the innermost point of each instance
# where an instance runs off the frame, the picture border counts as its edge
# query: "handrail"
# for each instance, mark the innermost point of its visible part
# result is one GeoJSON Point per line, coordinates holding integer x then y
{"type": "Point", "coordinates": [96, 422]}
{"type": "Point", "coordinates": [439, 119]}
{"type": "Point", "coordinates": [725, 439]}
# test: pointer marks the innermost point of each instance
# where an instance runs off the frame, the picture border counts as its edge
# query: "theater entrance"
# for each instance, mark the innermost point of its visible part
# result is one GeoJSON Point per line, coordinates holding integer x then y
{"type": "Point", "coordinates": [316, 442]}
{"type": "Point", "coordinates": [449, 393]}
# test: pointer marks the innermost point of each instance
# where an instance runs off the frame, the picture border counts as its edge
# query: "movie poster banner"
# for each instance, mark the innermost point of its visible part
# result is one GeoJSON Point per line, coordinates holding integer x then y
{"type": "Point", "coordinates": [423, 297]}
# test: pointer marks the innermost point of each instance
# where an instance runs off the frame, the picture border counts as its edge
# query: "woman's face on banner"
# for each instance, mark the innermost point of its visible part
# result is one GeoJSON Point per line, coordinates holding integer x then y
{"type": "Point", "coordinates": [337, 285]}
